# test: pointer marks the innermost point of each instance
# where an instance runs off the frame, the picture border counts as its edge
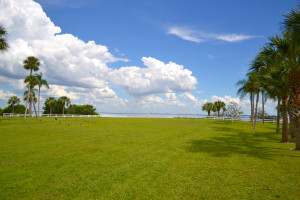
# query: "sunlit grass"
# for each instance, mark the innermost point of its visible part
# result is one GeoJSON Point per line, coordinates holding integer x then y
{"type": "Point", "coordinates": [120, 158]}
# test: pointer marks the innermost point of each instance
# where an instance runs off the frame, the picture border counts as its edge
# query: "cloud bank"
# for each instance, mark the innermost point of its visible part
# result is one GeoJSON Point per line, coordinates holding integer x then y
{"type": "Point", "coordinates": [80, 70]}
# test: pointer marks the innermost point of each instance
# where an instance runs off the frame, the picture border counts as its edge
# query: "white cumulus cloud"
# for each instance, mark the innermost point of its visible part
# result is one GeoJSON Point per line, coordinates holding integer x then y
{"type": "Point", "coordinates": [156, 78]}
{"type": "Point", "coordinates": [66, 60]}
{"type": "Point", "coordinates": [5, 95]}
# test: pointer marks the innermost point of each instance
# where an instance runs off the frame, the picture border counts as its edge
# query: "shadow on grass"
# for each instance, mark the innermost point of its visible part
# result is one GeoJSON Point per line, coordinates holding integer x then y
{"type": "Point", "coordinates": [235, 141]}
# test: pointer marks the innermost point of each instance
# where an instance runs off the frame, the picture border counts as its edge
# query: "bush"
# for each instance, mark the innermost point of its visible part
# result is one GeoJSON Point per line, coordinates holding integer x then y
{"type": "Point", "coordinates": [19, 109]}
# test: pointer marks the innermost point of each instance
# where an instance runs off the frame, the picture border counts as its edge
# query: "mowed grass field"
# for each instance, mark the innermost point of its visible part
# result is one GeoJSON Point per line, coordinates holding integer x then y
{"type": "Point", "coordinates": [124, 158]}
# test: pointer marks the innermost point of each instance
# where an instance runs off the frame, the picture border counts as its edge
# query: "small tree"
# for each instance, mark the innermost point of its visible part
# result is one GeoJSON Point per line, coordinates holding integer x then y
{"type": "Point", "coordinates": [208, 107]}
{"type": "Point", "coordinates": [64, 101]}
{"type": "Point", "coordinates": [49, 105]}
{"type": "Point", "coordinates": [14, 100]}
{"type": "Point", "coordinates": [218, 105]}
{"type": "Point", "coordinates": [233, 110]}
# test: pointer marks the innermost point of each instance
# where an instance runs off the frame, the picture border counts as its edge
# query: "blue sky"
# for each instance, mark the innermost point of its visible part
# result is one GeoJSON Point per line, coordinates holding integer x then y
{"type": "Point", "coordinates": [214, 40]}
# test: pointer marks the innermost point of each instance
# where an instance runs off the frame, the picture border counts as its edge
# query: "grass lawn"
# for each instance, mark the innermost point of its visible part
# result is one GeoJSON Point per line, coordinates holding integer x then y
{"type": "Point", "coordinates": [121, 158]}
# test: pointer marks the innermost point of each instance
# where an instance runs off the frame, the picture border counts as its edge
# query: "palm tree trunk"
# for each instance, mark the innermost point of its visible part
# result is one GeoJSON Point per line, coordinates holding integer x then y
{"type": "Point", "coordinates": [278, 115]}
{"type": "Point", "coordinates": [26, 109]}
{"type": "Point", "coordinates": [13, 109]}
{"type": "Point", "coordinates": [263, 106]}
{"type": "Point", "coordinates": [50, 110]}
{"type": "Point", "coordinates": [37, 118]}
{"type": "Point", "coordinates": [252, 106]}
{"type": "Point", "coordinates": [295, 102]}
{"type": "Point", "coordinates": [208, 113]}
{"type": "Point", "coordinates": [292, 130]}
{"type": "Point", "coordinates": [218, 114]}
{"type": "Point", "coordinates": [255, 115]}
{"type": "Point", "coordinates": [30, 106]}
{"type": "Point", "coordinates": [63, 109]}
{"type": "Point", "coordinates": [39, 102]}
{"type": "Point", "coordinates": [30, 98]}
{"type": "Point", "coordinates": [285, 124]}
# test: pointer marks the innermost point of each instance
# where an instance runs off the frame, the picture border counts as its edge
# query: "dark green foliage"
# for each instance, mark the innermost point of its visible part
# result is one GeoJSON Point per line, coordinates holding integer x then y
{"type": "Point", "coordinates": [81, 109]}
{"type": "Point", "coordinates": [18, 109]}
{"type": "Point", "coordinates": [52, 102]}
{"type": "Point", "coordinates": [72, 108]}
{"type": "Point", "coordinates": [3, 40]}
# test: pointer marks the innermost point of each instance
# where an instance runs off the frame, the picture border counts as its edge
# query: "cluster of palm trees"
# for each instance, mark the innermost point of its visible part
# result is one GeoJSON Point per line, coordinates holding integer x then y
{"type": "Point", "coordinates": [275, 74]}
{"type": "Point", "coordinates": [52, 103]}
{"type": "Point", "coordinates": [63, 105]}
{"type": "Point", "coordinates": [215, 107]}
{"type": "Point", "coordinates": [32, 81]}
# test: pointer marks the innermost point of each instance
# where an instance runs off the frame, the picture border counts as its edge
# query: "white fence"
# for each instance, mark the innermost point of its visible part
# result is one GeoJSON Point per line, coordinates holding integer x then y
{"type": "Point", "coordinates": [247, 119]}
{"type": "Point", "coordinates": [143, 115]}
{"type": "Point", "coordinates": [48, 115]}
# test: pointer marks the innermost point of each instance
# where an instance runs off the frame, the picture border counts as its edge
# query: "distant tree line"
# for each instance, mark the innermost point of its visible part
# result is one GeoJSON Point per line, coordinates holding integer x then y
{"type": "Point", "coordinates": [52, 106]}
{"type": "Point", "coordinates": [63, 106]}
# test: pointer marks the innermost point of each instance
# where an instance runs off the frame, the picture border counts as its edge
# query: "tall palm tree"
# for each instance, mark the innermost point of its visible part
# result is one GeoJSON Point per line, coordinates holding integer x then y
{"type": "Point", "coordinates": [13, 101]}
{"type": "Point", "coordinates": [260, 64]}
{"type": "Point", "coordinates": [272, 75]}
{"type": "Point", "coordinates": [208, 107]}
{"type": "Point", "coordinates": [280, 72]}
{"type": "Point", "coordinates": [254, 85]}
{"type": "Point", "coordinates": [3, 41]}
{"type": "Point", "coordinates": [32, 64]}
{"type": "Point", "coordinates": [31, 83]}
{"type": "Point", "coordinates": [291, 30]}
{"type": "Point", "coordinates": [40, 82]}
{"type": "Point", "coordinates": [246, 88]}
{"type": "Point", "coordinates": [65, 101]}
{"type": "Point", "coordinates": [218, 105]}
{"type": "Point", "coordinates": [51, 102]}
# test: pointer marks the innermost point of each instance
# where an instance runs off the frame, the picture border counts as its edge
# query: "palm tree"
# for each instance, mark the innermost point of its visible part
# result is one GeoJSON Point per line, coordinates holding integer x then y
{"type": "Point", "coordinates": [31, 83]}
{"type": "Point", "coordinates": [208, 107]}
{"type": "Point", "coordinates": [64, 101]}
{"type": "Point", "coordinates": [254, 87]}
{"type": "Point", "coordinates": [40, 82]}
{"type": "Point", "coordinates": [27, 96]}
{"type": "Point", "coordinates": [279, 72]}
{"type": "Point", "coordinates": [32, 64]}
{"type": "Point", "coordinates": [13, 101]}
{"type": "Point", "coordinates": [3, 42]}
{"type": "Point", "coordinates": [51, 102]}
{"type": "Point", "coordinates": [260, 64]}
{"type": "Point", "coordinates": [291, 49]}
{"type": "Point", "coordinates": [218, 105]}
{"type": "Point", "coordinates": [89, 109]}
{"type": "Point", "coordinates": [243, 91]}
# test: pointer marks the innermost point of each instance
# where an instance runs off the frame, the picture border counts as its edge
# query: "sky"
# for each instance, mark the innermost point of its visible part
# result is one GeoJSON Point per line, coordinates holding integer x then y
{"type": "Point", "coordinates": [138, 56]}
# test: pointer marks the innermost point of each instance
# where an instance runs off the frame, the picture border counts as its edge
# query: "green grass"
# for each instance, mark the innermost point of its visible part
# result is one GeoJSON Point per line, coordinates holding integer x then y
{"type": "Point", "coordinates": [116, 158]}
